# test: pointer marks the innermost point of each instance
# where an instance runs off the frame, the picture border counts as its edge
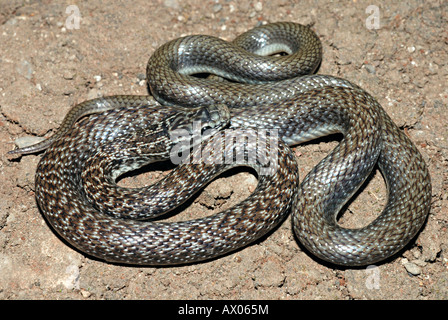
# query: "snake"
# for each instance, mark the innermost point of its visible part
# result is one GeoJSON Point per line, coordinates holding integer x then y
{"type": "Point", "coordinates": [265, 95]}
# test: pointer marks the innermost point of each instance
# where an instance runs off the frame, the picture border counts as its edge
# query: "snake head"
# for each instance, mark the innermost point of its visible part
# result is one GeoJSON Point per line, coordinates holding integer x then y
{"type": "Point", "coordinates": [189, 128]}
{"type": "Point", "coordinates": [199, 123]}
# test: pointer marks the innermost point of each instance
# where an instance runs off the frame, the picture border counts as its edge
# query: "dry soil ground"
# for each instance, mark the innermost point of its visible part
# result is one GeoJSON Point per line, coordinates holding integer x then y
{"type": "Point", "coordinates": [46, 67]}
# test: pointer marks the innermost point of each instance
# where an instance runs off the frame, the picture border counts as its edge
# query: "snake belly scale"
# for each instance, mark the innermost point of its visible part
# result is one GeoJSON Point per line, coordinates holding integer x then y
{"type": "Point", "coordinates": [75, 180]}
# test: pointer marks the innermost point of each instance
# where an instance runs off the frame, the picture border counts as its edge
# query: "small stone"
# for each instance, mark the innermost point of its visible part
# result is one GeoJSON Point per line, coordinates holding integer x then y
{"type": "Point", "coordinates": [85, 293]}
{"type": "Point", "coordinates": [258, 6]}
{"type": "Point", "coordinates": [25, 69]}
{"type": "Point", "coordinates": [412, 268]}
{"type": "Point", "coordinates": [173, 4]}
{"type": "Point", "coordinates": [71, 277]}
{"type": "Point", "coordinates": [419, 262]}
{"type": "Point", "coordinates": [68, 74]}
{"type": "Point", "coordinates": [11, 22]}
{"type": "Point", "coordinates": [217, 7]}
{"type": "Point", "coordinates": [370, 68]}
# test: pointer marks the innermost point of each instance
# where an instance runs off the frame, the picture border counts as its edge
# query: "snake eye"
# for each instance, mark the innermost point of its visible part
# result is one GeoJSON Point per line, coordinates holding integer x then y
{"type": "Point", "coordinates": [205, 128]}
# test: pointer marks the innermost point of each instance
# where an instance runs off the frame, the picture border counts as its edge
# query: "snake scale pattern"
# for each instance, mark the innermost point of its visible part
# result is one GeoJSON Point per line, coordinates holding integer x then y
{"type": "Point", "coordinates": [255, 90]}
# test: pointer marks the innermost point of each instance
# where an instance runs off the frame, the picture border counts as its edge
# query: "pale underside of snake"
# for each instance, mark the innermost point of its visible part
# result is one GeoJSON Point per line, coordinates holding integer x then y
{"type": "Point", "coordinates": [76, 178]}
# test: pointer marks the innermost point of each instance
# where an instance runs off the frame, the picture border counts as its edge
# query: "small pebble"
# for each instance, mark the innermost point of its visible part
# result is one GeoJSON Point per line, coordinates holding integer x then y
{"type": "Point", "coordinates": [370, 69]}
{"type": "Point", "coordinates": [412, 268]}
{"type": "Point", "coordinates": [25, 69]}
{"type": "Point", "coordinates": [71, 277]}
{"type": "Point", "coordinates": [173, 4]}
{"type": "Point", "coordinates": [68, 74]}
{"type": "Point", "coordinates": [85, 293]}
{"type": "Point", "coordinates": [217, 7]}
{"type": "Point", "coordinates": [419, 262]}
{"type": "Point", "coordinates": [11, 22]}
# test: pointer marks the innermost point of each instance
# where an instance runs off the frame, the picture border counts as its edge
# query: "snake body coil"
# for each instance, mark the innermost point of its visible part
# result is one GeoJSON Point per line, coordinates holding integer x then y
{"type": "Point", "coordinates": [75, 180]}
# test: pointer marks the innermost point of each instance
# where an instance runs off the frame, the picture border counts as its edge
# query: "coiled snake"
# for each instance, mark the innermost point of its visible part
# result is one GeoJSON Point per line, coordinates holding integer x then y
{"type": "Point", "coordinates": [75, 179]}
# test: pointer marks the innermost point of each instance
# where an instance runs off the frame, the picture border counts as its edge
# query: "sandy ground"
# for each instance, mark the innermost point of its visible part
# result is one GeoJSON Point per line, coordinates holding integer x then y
{"type": "Point", "coordinates": [46, 67]}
